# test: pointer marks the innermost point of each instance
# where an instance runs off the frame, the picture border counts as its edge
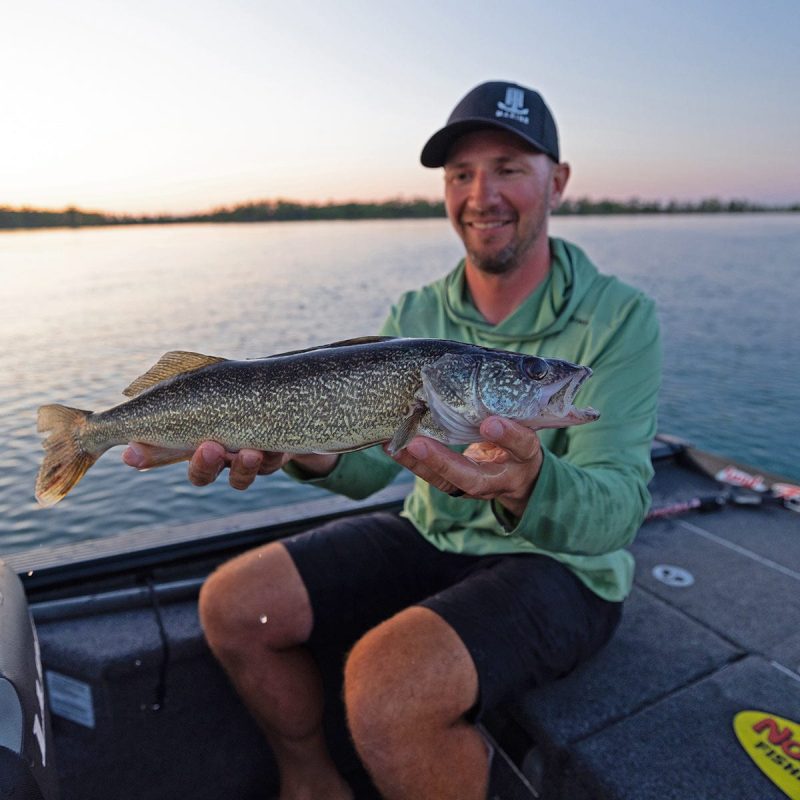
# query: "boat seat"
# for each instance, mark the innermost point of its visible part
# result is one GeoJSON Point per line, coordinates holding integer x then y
{"type": "Point", "coordinates": [708, 631]}
{"type": "Point", "coordinates": [126, 706]}
{"type": "Point", "coordinates": [27, 770]}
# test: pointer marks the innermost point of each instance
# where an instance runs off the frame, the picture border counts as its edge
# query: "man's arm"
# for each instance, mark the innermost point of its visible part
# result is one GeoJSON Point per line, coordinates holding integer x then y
{"type": "Point", "coordinates": [355, 475]}
{"type": "Point", "coordinates": [591, 496]}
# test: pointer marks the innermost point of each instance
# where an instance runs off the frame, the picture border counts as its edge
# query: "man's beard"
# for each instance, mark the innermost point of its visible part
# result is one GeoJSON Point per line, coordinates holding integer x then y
{"type": "Point", "coordinates": [512, 256]}
{"type": "Point", "coordinates": [505, 261]}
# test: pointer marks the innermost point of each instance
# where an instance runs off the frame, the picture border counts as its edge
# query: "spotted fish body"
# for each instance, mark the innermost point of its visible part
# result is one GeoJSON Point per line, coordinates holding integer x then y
{"type": "Point", "coordinates": [330, 399]}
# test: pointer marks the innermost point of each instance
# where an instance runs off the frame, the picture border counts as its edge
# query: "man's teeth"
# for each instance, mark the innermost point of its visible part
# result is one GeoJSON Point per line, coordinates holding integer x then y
{"type": "Point", "coordinates": [487, 226]}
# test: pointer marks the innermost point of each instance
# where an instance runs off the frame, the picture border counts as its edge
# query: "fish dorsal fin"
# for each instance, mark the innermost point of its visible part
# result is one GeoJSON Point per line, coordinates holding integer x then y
{"type": "Point", "coordinates": [342, 343]}
{"type": "Point", "coordinates": [361, 340]}
{"type": "Point", "coordinates": [176, 362]}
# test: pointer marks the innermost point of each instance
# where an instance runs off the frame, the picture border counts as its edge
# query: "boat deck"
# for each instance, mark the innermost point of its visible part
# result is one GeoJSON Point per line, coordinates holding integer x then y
{"type": "Point", "coordinates": [710, 630]}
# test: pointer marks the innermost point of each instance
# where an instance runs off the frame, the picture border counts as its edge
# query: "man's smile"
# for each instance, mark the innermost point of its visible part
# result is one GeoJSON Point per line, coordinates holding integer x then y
{"type": "Point", "coordinates": [487, 223]}
{"type": "Point", "coordinates": [488, 226]}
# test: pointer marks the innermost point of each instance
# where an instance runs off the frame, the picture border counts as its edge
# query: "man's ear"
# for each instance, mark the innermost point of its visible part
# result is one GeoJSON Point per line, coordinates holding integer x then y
{"type": "Point", "coordinates": [559, 178]}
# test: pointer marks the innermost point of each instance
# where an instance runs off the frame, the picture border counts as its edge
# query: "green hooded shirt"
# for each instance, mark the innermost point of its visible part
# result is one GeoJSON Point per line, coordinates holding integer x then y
{"type": "Point", "coordinates": [591, 495]}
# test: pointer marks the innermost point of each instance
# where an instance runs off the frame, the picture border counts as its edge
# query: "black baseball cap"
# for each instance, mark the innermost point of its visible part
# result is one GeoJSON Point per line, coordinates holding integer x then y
{"type": "Point", "coordinates": [496, 104]}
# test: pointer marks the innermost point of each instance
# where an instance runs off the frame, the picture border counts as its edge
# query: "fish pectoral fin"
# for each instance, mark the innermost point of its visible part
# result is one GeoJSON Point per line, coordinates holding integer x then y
{"type": "Point", "coordinates": [176, 362]}
{"type": "Point", "coordinates": [408, 429]}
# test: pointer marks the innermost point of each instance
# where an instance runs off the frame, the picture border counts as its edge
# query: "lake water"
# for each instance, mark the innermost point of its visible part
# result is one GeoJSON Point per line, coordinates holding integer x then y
{"type": "Point", "coordinates": [83, 312]}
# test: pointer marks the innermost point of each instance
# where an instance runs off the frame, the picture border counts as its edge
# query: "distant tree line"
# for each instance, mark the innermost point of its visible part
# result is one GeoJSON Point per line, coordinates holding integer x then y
{"type": "Point", "coordinates": [261, 211]}
{"type": "Point", "coordinates": [35, 218]}
{"type": "Point", "coordinates": [287, 210]}
{"type": "Point", "coordinates": [710, 205]}
{"type": "Point", "coordinates": [418, 208]}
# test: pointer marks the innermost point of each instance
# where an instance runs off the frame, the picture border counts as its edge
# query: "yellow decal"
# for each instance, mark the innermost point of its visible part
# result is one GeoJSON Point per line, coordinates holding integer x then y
{"type": "Point", "coordinates": [774, 745]}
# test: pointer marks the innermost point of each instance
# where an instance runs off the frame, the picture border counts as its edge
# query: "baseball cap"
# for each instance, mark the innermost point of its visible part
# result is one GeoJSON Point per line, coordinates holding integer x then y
{"type": "Point", "coordinates": [496, 104]}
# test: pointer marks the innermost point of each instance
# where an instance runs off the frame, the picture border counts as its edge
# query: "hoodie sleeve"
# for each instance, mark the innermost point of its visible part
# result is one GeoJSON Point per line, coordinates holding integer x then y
{"type": "Point", "coordinates": [591, 495]}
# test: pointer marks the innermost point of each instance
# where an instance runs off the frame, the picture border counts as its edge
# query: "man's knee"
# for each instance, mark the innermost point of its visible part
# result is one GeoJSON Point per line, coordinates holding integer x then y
{"type": "Point", "coordinates": [257, 599]}
{"type": "Point", "coordinates": [412, 670]}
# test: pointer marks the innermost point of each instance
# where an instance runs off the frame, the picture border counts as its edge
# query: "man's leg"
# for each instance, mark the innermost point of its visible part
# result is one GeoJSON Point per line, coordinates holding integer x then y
{"type": "Point", "coordinates": [408, 684]}
{"type": "Point", "coordinates": [256, 616]}
{"type": "Point", "coordinates": [414, 682]}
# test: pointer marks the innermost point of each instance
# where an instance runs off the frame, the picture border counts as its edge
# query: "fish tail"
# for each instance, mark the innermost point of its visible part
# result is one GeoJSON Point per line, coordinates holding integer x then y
{"type": "Point", "coordinates": [65, 459]}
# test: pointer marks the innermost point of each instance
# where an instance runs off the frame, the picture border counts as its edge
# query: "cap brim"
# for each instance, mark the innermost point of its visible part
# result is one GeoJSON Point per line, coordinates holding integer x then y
{"type": "Point", "coordinates": [434, 153]}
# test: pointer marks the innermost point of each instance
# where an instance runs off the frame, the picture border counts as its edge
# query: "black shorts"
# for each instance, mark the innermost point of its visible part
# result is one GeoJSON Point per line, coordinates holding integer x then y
{"type": "Point", "coordinates": [525, 618]}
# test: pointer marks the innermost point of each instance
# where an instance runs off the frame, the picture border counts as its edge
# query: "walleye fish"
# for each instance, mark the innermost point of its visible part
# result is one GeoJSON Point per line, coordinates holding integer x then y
{"type": "Point", "coordinates": [331, 399]}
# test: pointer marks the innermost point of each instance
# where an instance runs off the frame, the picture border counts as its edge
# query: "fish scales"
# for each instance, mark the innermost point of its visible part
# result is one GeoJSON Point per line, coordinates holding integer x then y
{"type": "Point", "coordinates": [331, 399]}
{"type": "Point", "coordinates": [289, 403]}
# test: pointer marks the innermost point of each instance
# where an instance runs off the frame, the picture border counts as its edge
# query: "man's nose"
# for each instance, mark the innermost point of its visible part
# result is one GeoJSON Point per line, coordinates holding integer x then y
{"type": "Point", "coordinates": [483, 192]}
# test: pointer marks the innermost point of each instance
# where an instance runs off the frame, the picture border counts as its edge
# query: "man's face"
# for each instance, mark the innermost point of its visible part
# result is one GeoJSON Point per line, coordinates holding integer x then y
{"type": "Point", "coordinates": [498, 195]}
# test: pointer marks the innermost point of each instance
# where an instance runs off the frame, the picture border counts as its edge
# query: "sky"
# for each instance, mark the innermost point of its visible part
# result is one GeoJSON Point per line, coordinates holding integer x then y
{"type": "Point", "coordinates": [165, 106]}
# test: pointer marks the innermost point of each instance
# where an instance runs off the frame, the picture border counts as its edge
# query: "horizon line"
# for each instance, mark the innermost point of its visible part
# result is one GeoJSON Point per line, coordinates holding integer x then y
{"type": "Point", "coordinates": [631, 201]}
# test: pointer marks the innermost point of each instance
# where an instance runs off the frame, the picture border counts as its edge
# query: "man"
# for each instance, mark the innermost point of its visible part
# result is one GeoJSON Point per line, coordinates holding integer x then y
{"type": "Point", "coordinates": [506, 569]}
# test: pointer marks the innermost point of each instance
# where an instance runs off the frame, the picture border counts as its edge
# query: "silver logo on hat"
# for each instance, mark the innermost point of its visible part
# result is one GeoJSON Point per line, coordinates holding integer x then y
{"type": "Point", "coordinates": [513, 107]}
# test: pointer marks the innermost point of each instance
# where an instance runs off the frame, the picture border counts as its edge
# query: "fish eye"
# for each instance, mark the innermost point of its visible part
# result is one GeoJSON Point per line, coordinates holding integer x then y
{"type": "Point", "coordinates": [535, 368]}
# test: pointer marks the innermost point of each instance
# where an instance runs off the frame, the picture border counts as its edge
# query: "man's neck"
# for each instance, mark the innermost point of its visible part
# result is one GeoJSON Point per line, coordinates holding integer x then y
{"type": "Point", "coordinates": [498, 296]}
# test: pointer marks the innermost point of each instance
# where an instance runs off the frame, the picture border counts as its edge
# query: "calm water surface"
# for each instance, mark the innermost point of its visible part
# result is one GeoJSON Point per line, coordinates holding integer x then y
{"type": "Point", "coordinates": [84, 312]}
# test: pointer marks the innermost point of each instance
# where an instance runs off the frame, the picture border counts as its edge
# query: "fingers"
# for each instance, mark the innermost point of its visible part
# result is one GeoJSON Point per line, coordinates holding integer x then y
{"type": "Point", "coordinates": [208, 461]}
{"type": "Point", "coordinates": [211, 458]}
{"type": "Point", "coordinates": [245, 466]}
{"type": "Point", "coordinates": [504, 467]}
{"type": "Point", "coordinates": [521, 442]}
{"type": "Point", "coordinates": [448, 471]}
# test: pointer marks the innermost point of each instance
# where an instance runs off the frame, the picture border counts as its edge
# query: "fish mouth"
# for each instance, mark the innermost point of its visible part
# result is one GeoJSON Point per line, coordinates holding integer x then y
{"type": "Point", "coordinates": [559, 411]}
{"type": "Point", "coordinates": [561, 401]}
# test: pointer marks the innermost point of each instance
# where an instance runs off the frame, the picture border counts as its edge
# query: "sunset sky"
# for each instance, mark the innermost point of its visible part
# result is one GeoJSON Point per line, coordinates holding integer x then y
{"type": "Point", "coordinates": [148, 106]}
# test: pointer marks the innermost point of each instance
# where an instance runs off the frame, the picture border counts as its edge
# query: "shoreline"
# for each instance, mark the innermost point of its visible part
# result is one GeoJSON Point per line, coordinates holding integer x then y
{"type": "Point", "coordinates": [12, 219]}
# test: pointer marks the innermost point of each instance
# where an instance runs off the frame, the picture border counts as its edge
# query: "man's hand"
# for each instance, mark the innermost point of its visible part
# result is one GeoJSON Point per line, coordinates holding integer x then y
{"type": "Point", "coordinates": [503, 467]}
{"type": "Point", "coordinates": [211, 458]}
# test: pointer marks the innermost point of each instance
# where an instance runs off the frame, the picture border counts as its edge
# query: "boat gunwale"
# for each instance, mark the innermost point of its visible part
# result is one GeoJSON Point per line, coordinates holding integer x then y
{"type": "Point", "coordinates": [139, 551]}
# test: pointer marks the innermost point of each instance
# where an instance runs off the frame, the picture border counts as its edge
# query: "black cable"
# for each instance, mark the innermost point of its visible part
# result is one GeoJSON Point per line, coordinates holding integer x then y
{"type": "Point", "coordinates": [161, 686]}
